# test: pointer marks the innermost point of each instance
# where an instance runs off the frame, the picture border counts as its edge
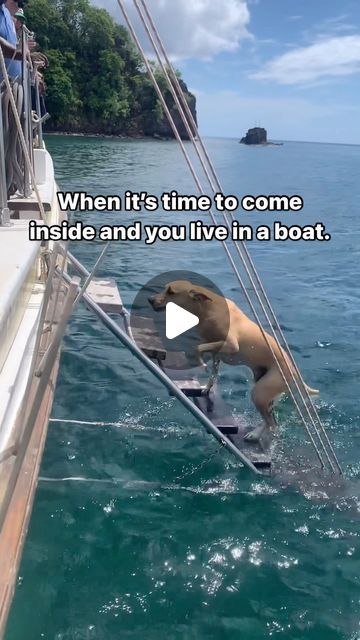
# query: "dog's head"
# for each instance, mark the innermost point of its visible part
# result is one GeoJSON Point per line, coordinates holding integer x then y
{"type": "Point", "coordinates": [187, 295]}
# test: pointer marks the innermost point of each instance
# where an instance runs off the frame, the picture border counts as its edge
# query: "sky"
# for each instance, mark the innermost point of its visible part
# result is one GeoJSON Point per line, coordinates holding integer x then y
{"type": "Point", "coordinates": [292, 66]}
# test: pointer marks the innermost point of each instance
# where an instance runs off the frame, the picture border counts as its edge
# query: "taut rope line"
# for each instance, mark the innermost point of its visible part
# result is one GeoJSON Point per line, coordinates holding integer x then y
{"type": "Point", "coordinates": [201, 190]}
{"type": "Point", "coordinates": [243, 250]}
{"type": "Point", "coordinates": [191, 127]}
{"type": "Point", "coordinates": [198, 184]}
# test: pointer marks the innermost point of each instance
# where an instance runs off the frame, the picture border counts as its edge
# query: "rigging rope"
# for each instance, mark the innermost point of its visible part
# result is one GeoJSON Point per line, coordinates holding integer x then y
{"type": "Point", "coordinates": [249, 266]}
{"type": "Point", "coordinates": [242, 250]}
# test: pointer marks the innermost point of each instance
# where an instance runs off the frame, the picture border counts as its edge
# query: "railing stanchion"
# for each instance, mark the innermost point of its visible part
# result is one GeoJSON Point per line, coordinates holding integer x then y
{"type": "Point", "coordinates": [25, 114]}
{"type": "Point", "coordinates": [38, 109]}
{"type": "Point", "coordinates": [4, 210]}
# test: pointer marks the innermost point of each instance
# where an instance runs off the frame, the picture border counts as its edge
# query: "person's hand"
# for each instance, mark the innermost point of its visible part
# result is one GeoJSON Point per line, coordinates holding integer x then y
{"type": "Point", "coordinates": [31, 44]}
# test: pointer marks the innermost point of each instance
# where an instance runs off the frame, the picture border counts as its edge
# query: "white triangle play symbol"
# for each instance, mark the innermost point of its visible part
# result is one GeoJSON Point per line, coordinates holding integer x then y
{"type": "Point", "coordinates": [178, 321]}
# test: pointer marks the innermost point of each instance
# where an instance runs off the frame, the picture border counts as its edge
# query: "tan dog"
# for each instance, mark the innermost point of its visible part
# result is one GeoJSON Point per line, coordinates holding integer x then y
{"type": "Point", "coordinates": [234, 339]}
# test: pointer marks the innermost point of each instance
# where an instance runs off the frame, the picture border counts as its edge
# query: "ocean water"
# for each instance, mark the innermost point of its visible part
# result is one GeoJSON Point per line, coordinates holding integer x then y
{"type": "Point", "coordinates": [147, 529]}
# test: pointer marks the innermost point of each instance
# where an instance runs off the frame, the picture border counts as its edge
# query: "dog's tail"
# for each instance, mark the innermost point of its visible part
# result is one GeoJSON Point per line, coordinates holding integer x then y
{"type": "Point", "coordinates": [312, 392]}
{"type": "Point", "coordinates": [295, 373]}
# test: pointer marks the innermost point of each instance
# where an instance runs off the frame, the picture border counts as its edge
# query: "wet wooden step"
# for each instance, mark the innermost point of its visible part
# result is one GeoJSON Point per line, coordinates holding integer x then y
{"type": "Point", "coordinates": [105, 292]}
{"type": "Point", "coordinates": [190, 387]}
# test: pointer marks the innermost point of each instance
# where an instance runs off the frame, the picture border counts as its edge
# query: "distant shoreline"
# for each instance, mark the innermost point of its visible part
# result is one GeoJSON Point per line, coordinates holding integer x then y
{"type": "Point", "coordinates": [235, 138]}
{"type": "Point", "coordinates": [115, 136]}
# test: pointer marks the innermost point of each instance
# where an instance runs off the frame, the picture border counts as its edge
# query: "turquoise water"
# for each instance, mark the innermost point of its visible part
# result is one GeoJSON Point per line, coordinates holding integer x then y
{"type": "Point", "coordinates": [132, 550]}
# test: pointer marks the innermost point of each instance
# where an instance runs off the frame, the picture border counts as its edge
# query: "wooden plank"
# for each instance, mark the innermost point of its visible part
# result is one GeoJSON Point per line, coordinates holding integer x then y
{"type": "Point", "coordinates": [105, 292]}
{"type": "Point", "coordinates": [147, 338]}
{"type": "Point", "coordinates": [25, 204]}
{"type": "Point", "coordinates": [191, 387]}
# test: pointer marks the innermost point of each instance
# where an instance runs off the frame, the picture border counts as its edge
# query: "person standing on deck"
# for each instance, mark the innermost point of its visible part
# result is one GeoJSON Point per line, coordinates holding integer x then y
{"type": "Point", "coordinates": [19, 19]}
{"type": "Point", "coordinates": [8, 33]}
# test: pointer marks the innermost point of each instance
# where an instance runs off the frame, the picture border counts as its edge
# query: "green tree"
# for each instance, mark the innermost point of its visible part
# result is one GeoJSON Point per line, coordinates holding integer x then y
{"type": "Point", "coordinates": [96, 80]}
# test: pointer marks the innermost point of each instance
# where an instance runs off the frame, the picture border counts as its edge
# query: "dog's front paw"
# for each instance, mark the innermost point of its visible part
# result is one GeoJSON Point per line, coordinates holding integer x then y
{"type": "Point", "coordinates": [255, 435]}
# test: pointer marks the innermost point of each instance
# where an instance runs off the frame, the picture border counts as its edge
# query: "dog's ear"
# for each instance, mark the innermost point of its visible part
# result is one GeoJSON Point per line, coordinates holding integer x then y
{"type": "Point", "coordinates": [198, 296]}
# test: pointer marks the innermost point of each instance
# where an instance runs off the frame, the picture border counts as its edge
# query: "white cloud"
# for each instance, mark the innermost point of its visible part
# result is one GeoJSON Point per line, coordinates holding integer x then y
{"type": "Point", "coordinates": [327, 28]}
{"type": "Point", "coordinates": [338, 23]}
{"type": "Point", "coordinates": [326, 59]}
{"type": "Point", "coordinates": [194, 28]}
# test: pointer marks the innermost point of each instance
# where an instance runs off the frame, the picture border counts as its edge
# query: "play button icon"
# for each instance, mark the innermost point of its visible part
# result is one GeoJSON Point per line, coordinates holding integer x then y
{"type": "Point", "coordinates": [166, 326]}
{"type": "Point", "coordinates": [178, 321]}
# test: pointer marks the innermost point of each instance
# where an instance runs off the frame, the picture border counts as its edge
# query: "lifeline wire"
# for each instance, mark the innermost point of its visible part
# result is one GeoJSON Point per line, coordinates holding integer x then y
{"type": "Point", "coordinates": [191, 135]}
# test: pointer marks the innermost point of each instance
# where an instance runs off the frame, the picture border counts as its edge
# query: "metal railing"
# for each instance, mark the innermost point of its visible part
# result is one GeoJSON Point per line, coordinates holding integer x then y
{"type": "Point", "coordinates": [16, 176]}
{"type": "Point", "coordinates": [52, 325]}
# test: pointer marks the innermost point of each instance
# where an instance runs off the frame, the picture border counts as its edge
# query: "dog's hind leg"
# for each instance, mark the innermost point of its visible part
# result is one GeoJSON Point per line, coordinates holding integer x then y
{"type": "Point", "coordinates": [263, 394]}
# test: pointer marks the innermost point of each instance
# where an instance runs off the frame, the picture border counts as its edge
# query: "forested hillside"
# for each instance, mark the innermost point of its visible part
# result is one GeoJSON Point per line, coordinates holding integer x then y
{"type": "Point", "coordinates": [96, 82]}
